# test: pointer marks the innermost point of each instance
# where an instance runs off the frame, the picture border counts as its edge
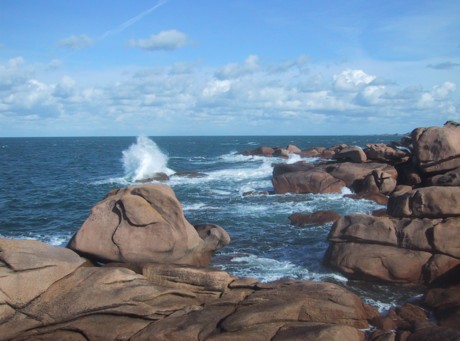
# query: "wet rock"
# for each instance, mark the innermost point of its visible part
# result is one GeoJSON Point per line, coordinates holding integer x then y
{"type": "Point", "coordinates": [261, 151]}
{"type": "Point", "coordinates": [316, 218]}
{"type": "Point", "coordinates": [256, 193]}
{"type": "Point", "coordinates": [142, 224]}
{"type": "Point", "coordinates": [190, 174]}
{"type": "Point", "coordinates": [156, 177]}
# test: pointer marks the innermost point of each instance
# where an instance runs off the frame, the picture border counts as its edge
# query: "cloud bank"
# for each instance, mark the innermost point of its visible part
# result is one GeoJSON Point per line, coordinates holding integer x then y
{"type": "Point", "coordinates": [290, 97]}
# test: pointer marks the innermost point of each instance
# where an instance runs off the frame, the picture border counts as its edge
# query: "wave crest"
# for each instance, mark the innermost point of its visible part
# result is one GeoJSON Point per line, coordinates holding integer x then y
{"type": "Point", "coordinates": [144, 159]}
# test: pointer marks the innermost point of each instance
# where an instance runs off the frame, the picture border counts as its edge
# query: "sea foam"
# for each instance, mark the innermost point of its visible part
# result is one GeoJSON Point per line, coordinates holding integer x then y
{"type": "Point", "coordinates": [144, 159]}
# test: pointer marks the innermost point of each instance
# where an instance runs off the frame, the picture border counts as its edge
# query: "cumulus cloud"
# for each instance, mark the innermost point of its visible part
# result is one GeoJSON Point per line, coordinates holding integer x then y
{"type": "Point", "coordinates": [216, 87]}
{"type": "Point", "coordinates": [236, 70]}
{"type": "Point", "coordinates": [173, 99]}
{"type": "Point", "coordinates": [437, 96]}
{"type": "Point", "coordinates": [350, 80]}
{"type": "Point", "coordinates": [165, 40]}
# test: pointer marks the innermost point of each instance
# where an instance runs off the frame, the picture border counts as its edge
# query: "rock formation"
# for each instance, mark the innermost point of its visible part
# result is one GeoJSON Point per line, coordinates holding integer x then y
{"type": "Point", "coordinates": [144, 224]}
{"type": "Point", "coordinates": [51, 293]}
{"type": "Point", "coordinates": [418, 240]}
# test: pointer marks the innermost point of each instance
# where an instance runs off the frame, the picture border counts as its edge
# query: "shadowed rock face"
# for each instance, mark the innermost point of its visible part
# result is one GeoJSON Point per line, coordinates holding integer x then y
{"type": "Point", "coordinates": [50, 293]}
{"type": "Point", "coordinates": [144, 224]}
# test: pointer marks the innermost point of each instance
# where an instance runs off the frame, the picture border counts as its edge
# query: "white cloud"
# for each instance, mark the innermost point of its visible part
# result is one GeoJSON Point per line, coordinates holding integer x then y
{"type": "Point", "coordinates": [349, 80]}
{"type": "Point", "coordinates": [437, 95]}
{"type": "Point", "coordinates": [371, 95]}
{"type": "Point", "coordinates": [165, 40]}
{"type": "Point", "coordinates": [76, 42]}
{"type": "Point", "coordinates": [236, 70]}
{"type": "Point", "coordinates": [216, 87]}
{"type": "Point", "coordinates": [171, 100]}
{"type": "Point", "coordinates": [444, 90]}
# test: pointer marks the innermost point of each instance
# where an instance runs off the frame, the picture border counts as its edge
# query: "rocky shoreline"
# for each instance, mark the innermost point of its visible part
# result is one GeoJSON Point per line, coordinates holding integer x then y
{"type": "Point", "coordinates": [138, 270]}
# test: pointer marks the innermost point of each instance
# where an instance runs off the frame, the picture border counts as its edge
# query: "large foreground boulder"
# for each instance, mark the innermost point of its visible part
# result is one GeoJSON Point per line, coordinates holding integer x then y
{"type": "Point", "coordinates": [143, 224]}
{"type": "Point", "coordinates": [50, 293]}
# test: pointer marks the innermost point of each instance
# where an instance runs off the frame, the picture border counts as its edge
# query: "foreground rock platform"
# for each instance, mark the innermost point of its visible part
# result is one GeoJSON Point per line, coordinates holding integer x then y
{"type": "Point", "coordinates": [51, 293]}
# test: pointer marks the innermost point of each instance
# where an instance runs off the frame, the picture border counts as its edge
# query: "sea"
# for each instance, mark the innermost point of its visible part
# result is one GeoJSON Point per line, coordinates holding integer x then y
{"type": "Point", "coordinates": [49, 185]}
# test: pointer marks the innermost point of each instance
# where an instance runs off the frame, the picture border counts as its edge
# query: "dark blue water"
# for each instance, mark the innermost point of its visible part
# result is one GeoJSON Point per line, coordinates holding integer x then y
{"type": "Point", "coordinates": [48, 186]}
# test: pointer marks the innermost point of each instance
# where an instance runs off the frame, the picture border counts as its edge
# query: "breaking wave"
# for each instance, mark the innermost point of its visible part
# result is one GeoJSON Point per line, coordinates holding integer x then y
{"type": "Point", "coordinates": [144, 159]}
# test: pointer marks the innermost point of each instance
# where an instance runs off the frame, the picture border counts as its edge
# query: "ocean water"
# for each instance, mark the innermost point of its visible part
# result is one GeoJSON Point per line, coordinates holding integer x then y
{"type": "Point", "coordinates": [48, 186]}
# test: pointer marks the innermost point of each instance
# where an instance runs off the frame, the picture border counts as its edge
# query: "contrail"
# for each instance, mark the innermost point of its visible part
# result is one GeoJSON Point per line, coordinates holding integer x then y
{"type": "Point", "coordinates": [133, 20]}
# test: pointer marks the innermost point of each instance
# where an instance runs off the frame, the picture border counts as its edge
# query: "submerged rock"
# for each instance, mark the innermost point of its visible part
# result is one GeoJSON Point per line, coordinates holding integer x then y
{"type": "Point", "coordinates": [319, 217]}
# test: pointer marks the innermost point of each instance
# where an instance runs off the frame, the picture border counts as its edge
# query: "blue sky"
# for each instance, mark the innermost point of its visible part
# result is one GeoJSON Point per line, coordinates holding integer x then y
{"type": "Point", "coordinates": [180, 67]}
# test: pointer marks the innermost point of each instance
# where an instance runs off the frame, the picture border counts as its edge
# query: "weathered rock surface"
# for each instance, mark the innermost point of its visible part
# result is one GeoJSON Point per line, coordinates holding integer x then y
{"type": "Point", "coordinates": [282, 168]}
{"type": "Point", "coordinates": [386, 153]}
{"type": "Point", "coordinates": [394, 250]}
{"type": "Point", "coordinates": [375, 262]}
{"type": "Point", "coordinates": [60, 296]}
{"type": "Point", "coordinates": [311, 181]}
{"type": "Point", "coordinates": [261, 151]}
{"type": "Point", "coordinates": [353, 174]}
{"type": "Point", "coordinates": [352, 154]}
{"type": "Point", "coordinates": [273, 152]}
{"type": "Point", "coordinates": [451, 178]}
{"type": "Point", "coordinates": [446, 305]}
{"type": "Point", "coordinates": [144, 224]}
{"type": "Point", "coordinates": [426, 202]}
{"type": "Point", "coordinates": [331, 178]}
{"type": "Point", "coordinates": [437, 149]}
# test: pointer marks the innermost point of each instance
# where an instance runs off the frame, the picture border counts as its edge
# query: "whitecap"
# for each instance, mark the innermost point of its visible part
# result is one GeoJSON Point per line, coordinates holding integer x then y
{"type": "Point", "coordinates": [144, 159]}
{"type": "Point", "coordinates": [268, 269]}
{"type": "Point", "coordinates": [198, 206]}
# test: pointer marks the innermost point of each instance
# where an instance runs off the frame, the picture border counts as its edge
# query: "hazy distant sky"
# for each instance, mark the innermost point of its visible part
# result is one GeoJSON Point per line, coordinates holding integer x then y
{"type": "Point", "coordinates": [227, 67]}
